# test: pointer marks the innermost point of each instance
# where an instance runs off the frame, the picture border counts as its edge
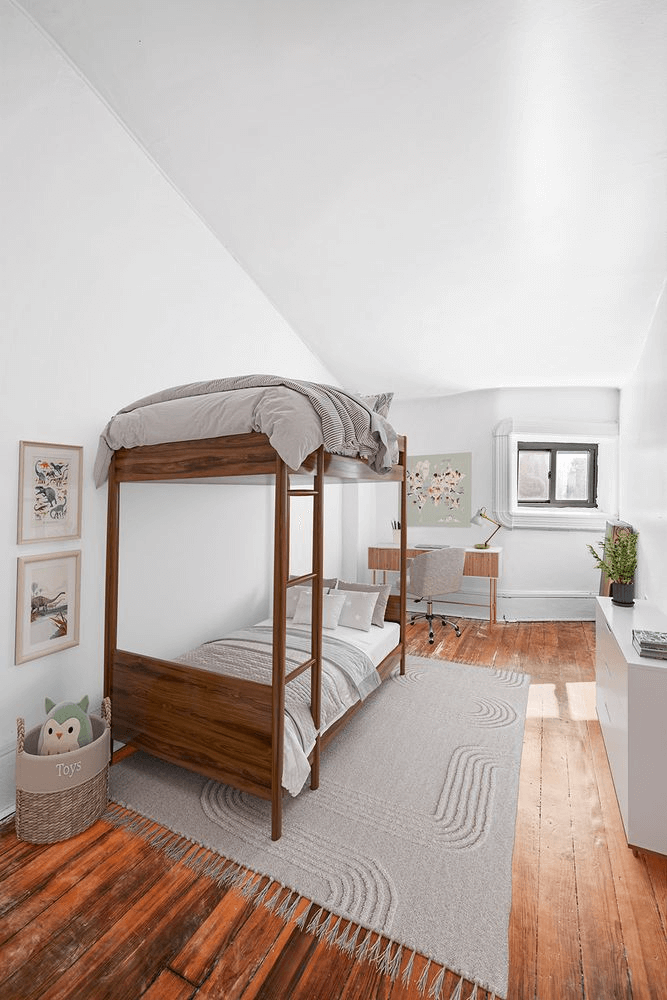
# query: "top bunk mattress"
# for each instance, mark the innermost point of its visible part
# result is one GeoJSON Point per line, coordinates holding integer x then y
{"type": "Point", "coordinates": [297, 417]}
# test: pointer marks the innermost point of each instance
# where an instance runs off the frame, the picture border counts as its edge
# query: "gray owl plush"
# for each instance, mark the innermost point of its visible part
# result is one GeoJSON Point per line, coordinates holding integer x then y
{"type": "Point", "coordinates": [67, 727]}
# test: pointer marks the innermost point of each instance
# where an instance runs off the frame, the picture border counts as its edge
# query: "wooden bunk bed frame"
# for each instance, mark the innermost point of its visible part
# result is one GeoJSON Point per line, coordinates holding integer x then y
{"type": "Point", "coordinates": [228, 728]}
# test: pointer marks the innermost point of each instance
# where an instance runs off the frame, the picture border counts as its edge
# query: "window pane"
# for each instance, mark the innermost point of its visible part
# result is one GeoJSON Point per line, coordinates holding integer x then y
{"type": "Point", "coordinates": [571, 475]}
{"type": "Point", "coordinates": [533, 483]}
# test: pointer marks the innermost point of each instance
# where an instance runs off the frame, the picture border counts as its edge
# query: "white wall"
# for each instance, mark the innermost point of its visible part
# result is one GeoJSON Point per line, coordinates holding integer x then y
{"type": "Point", "coordinates": [545, 574]}
{"type": "Point", "coordinates": [112, 289]}
{"type": "Point", "coordinates": [643, 460]}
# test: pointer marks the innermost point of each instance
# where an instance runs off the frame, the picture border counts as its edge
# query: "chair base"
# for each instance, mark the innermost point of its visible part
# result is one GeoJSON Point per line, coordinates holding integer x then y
{"type": "Point", "coordinates": [430, 618]}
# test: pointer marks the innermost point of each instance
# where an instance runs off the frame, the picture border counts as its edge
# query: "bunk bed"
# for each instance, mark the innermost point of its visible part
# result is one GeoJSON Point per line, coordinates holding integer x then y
{"type": "Point", "coordinates": [231, 728]}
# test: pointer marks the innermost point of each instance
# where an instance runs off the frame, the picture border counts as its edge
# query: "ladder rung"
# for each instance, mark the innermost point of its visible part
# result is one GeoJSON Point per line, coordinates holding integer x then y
{"type": "Point", "coordinates": [300, 669]}
{"type": "Point", "coordinates": [296, 580]}
{"type": "Point", "coordinates": [302, 493]}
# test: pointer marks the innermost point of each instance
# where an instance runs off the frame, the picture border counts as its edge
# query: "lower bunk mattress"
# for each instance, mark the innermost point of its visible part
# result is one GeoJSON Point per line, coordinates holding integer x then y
{"type": "Point", "coordinates": [349, 660]}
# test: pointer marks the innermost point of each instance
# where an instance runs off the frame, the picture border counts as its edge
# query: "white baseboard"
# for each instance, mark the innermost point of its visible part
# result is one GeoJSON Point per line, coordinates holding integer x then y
{"type": "Point", "coordinates": [7, 780]}
{"type": "Point", "coordinates": [544, 608]}
{"type": "Point", "coordinates": [518, 606]}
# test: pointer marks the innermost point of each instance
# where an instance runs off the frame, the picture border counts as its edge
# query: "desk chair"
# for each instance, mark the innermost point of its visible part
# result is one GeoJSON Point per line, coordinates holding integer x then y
{"type": "Point", "coordinates": [431, 574]}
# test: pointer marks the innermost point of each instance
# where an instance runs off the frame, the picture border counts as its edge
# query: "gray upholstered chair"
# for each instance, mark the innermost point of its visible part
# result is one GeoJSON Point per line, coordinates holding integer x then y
{"type": "Point", "coordinates": [432, 574]}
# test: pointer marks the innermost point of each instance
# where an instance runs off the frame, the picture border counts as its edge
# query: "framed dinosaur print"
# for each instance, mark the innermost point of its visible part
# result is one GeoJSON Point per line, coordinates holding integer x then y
{"type": "Point", "coordinates": [50, 483]}
{"type": "Point", "coordinates": [47, 604]}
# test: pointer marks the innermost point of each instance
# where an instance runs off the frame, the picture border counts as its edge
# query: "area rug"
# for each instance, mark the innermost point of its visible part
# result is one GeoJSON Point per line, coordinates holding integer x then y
{"type": "Point", "coordinates": [409, 836]}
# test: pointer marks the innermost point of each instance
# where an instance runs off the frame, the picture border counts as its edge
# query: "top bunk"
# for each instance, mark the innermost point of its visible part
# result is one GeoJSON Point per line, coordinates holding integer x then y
{"type": "Point", "coordinates": [236, 429]}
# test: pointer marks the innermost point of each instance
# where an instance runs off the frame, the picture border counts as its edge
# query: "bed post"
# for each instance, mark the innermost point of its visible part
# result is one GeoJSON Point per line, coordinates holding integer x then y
{"type": "Point", "coordinates": [111, 595]}
{"type": "Point", "coordinates": [403, 603]}
{"type": "Point", "coordinates": [280, 574]}
{"type": "Point", "coordinates": [316, 627]}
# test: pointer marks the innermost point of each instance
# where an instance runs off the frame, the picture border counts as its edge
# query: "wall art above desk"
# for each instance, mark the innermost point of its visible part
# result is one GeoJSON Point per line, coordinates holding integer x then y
{"type": "Point", "coordinates": [439, 490]}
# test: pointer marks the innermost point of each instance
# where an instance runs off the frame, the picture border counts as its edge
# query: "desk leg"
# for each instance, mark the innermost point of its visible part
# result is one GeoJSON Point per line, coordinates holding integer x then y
{"type": "Point", "coordinates": [493, 590]}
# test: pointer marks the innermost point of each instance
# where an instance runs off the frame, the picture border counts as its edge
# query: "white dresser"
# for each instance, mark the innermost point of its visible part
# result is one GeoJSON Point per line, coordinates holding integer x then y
{"type": "Point", "coordinates": [632, 709]}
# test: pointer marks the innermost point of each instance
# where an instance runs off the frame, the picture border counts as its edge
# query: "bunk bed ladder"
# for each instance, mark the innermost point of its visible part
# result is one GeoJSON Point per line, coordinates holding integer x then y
{"type": "Point", "coordinates": [281, 581]}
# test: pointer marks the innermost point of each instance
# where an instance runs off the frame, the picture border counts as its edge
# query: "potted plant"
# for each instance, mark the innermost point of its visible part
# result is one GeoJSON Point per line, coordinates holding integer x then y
{"type": "Point", "coordinates": [618, 560]}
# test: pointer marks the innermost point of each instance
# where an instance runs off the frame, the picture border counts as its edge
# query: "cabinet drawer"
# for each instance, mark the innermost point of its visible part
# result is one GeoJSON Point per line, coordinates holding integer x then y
{"type": "Point", "coordinates": [614, 730]}
{"type": "Point", "coordinates": [611, 668]}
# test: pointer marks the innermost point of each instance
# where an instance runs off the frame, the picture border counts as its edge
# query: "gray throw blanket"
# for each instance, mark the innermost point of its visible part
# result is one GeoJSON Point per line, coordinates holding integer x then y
{"type": "Point", "coordinates": [349, 427]}
{"type": "Point", "coordinates": [353, 662]}
{"type": "Point", "coordinates": [248, 653]}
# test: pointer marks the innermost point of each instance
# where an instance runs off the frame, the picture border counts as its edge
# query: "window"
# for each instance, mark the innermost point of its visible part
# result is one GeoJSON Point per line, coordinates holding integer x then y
{"type": "Point", "coordinates": [556, 474]}
{"type": "Point", "coordinates": [585, 497]}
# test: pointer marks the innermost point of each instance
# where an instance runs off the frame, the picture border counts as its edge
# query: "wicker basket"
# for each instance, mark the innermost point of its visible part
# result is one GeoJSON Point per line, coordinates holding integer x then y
{"type": "Point", "coordinates": [61, 795]}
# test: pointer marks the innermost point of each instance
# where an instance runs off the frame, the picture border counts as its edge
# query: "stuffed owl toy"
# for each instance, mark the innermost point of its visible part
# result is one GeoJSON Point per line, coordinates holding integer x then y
{"type": "Point", "coordinates": [67, 727]}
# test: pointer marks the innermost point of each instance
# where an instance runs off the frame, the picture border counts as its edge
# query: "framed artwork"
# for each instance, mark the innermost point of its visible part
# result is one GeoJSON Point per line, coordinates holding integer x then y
{"type": "Point", "coordinates": [47, 604]}
{"type": "Point", "coordinates": [50, 483]}
{"type": "Point", "coordinates": [439, 490]}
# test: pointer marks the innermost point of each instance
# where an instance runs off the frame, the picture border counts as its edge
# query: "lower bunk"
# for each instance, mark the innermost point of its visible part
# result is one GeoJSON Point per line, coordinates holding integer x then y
{"type": "Point", "coordinates": [214, 710]}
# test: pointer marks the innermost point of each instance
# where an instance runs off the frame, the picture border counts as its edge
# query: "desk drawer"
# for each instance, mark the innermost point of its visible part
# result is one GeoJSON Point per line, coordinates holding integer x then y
{"type": "Point", "coordinates": [482, 563]}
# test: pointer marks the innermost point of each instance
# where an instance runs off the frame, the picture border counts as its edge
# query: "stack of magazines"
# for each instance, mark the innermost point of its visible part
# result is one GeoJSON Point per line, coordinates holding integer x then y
{"type": "Point", "coordinates": [649, 643]}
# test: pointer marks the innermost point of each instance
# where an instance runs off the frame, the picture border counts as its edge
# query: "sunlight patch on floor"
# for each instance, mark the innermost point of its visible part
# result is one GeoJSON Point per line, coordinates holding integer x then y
{"type": "Point", "coordinates": [576, 701]}
{"type": "Point", "coordinates": [542, 702]}
{"type": "Point", "coordinates": [581, 699]}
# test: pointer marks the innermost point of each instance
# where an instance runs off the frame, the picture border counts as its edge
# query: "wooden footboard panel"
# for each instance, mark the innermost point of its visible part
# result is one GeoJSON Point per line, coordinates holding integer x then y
{"type": "Point", "coordinates": [215, 725]}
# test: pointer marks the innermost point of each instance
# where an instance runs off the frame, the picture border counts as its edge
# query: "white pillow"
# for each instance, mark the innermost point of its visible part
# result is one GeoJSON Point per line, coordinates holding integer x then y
{"type": "Point", "coordinates": [293, 594]}
{"type": "Point", "coordinates": [292, 599]}
{"type": "Point", "coordinates": [358, 609]}
{"type": "Point", "coordinates": [332, 606]}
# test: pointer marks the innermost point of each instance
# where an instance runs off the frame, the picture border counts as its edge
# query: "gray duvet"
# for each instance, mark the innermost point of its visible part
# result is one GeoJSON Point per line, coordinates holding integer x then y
{"type": "Point", "coordinates": [297, 417]}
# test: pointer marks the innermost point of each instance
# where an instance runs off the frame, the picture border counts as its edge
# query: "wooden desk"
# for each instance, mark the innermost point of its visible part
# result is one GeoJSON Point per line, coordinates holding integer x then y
{"type": "Point", "coordinates": [478, 562]}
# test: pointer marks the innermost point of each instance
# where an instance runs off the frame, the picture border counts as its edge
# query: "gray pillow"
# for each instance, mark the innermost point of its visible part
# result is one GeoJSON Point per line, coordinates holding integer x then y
{"type": "Point", "coordinates": [381, 589]}
{"type": "Point", "coordinates": [332, 607]}
{"type": "Point", "coordinates": [358, 609]}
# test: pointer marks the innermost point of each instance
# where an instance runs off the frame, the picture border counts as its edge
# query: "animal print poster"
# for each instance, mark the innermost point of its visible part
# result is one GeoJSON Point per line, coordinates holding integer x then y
{"type": "Point", "coordinates": [439, 490]}
{"type": "Point", "coordinates": [49, 492]}
{"type": "Point", "coordinates": [47, 610]}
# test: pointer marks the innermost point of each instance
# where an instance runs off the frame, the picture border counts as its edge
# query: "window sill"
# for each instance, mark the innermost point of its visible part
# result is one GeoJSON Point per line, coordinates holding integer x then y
{"type": "Point", "coordinates": [555, 518]}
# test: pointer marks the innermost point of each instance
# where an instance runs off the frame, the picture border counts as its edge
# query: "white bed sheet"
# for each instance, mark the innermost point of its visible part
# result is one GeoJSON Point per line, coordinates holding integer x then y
{"type": "Point", "coordinates": [376, 643]}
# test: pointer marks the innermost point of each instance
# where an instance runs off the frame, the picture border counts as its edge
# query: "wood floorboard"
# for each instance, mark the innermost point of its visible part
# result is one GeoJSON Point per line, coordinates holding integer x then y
{"type": "Point", "coordinates": [604, 965]}
{"type": "Point", "coordinates": [169, 986]}
{"type": "Point", "coordinates": [103, 915]}
{"type": "Point", "coordinates": [525, 866]}
{"type": "Point", "coordinates": [142, 938]}
{"type": "Point", "coordinates": [201, 952]}
{"type": "Point", "coordinates": [558, 950]}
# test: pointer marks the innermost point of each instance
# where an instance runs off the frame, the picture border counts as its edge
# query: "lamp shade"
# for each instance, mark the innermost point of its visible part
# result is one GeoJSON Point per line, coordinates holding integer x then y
{"type": "Point", "coordinates": [479, 518]}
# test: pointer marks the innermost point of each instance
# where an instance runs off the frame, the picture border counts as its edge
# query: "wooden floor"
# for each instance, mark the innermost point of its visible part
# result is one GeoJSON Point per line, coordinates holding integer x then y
{"type": "Point", "coordinates": [106, 916]}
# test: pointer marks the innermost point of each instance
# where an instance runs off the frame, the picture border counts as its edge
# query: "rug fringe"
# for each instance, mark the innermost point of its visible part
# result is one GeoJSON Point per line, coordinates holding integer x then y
{"type": "Point", "coordinates": [259, 889]}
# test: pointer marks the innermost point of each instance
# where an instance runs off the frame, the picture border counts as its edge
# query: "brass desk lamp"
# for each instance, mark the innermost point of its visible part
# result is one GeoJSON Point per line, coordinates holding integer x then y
{"type": "Point", "coordinates": [478, 518]}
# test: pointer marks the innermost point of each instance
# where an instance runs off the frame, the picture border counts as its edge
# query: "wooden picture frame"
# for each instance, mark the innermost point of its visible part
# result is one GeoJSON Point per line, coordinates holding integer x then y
{"type": "Point", "coordinates": [50, 489]}
{"type": "Point", "coordinates": [47, 604]}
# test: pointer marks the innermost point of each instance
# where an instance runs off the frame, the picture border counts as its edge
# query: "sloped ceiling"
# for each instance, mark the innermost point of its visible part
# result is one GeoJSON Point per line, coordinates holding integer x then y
{"type": "Point", "coordinates": [437, 195]}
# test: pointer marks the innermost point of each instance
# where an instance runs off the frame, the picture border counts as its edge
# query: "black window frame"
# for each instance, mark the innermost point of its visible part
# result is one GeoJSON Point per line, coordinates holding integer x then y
{"type": "Point", "coordinates": [553, 447]}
